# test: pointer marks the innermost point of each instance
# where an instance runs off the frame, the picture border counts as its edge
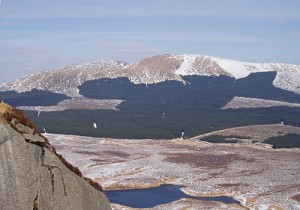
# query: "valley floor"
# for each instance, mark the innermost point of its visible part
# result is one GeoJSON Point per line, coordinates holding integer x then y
{"type": "Point", "coordinates": [257, 176]}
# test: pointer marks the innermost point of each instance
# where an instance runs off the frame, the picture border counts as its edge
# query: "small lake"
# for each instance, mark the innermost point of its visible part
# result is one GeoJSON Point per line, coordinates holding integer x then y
{"type": "Point", "coordinates": [150, 197]}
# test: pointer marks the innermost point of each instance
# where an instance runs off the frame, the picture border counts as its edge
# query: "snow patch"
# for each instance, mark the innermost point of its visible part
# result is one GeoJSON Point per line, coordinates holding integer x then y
{"type": "Point", "coordinates": [239, 69]}
{"type": "Point", "coordinates": [187, 64]}
{"type": "Point", "coordinates": [67, 79]}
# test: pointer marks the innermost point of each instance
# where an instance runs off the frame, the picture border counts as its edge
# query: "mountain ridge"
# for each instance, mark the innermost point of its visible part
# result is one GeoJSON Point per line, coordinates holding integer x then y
{"type": "Point", "coordinates": [151, 70]}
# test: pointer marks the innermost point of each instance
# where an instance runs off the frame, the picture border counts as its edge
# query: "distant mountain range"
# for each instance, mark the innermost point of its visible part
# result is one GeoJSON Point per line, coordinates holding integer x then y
{"type": "Point", "coordinates": [151, 70]}
{"type": "Point", "coordinates": [158, 97]}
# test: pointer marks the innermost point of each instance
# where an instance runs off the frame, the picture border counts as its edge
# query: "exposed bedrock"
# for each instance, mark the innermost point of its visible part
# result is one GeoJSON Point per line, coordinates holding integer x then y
{"type": "Point", "coordinates": [33, 176]}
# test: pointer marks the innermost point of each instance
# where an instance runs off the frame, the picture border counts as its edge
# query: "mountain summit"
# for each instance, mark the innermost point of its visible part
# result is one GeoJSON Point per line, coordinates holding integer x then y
{"type": "Point", "coordinates": [153, 70]}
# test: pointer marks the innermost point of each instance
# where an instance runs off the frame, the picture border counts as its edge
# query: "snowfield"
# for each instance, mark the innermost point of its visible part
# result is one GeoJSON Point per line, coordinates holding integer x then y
{"type": "Point", "coordinates": [76, 103]}
{"type": "Point", "coordinates": [243, 102]}
{"type": "Point", "coordinates": [259, 177]}
{"type": "Point", "coordinates": [150, 70]}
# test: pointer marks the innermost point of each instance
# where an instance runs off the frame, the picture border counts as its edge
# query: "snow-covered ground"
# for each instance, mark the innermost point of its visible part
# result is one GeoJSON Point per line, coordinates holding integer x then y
{"type": "Point", "coordinates": [260, 178]}
{"type": "Point", "coordinates": [287, 77]}
{"type": "Point", "coordinates": [243, 102]}
{"type": "Point", "coordinates": [76, 103]}
{"type": "Point", "coordinates": [150, 70]}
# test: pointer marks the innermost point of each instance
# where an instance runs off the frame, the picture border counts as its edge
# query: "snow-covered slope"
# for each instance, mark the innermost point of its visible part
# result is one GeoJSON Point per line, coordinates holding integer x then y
{"type": "Point", "coordinates": [153, 70]}
{"type": "Point", "coordinates": [287, 77]}
{"type": "Point", "coordinates": [64, 80]}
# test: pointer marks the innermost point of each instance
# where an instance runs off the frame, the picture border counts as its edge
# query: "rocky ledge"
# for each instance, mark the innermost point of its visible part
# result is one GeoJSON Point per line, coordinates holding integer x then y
{"type": "Point", "coordinates": [34, 176]}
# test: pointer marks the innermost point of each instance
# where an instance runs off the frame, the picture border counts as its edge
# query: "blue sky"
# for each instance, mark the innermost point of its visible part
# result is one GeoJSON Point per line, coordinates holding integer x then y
{"type": "Point", "coordinates": [38, 35]}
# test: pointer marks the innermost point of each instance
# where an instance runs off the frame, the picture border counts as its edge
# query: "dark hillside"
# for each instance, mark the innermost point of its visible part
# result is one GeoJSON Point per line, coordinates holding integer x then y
{"type": "Point", "coordinates": [166, 109]}
{"type": "Point", "coordinates": [32, 98]}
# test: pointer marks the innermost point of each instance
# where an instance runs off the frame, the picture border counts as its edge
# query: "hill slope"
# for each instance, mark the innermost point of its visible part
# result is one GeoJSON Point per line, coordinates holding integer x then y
{"type": "Point", "coordinates": [64, 80]}
{"type": "Point", "coordinates": [153, 70]}
{"type": "Point", "coordinates": [159, 96]}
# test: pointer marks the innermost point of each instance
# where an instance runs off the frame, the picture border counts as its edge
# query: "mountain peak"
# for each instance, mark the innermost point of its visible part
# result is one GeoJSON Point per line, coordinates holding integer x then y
{"type": "Point", "coordinates": [153, 69]}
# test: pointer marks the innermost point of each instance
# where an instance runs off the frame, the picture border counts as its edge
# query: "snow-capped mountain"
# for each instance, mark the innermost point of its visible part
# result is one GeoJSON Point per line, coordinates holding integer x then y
{"type": "Point", "coordinates": [153, 70]}
{"type": "Point", "coordinates": [64, 80]}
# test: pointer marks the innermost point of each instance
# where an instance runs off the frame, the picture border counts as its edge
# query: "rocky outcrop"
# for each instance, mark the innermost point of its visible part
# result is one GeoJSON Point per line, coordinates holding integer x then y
{"type": "Point", "coordinates": [34, 176]}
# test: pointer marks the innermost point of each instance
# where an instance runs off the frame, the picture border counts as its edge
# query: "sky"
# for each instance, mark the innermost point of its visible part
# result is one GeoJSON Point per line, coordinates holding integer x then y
{"type": "Point", "coordinates": [38, 35]}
